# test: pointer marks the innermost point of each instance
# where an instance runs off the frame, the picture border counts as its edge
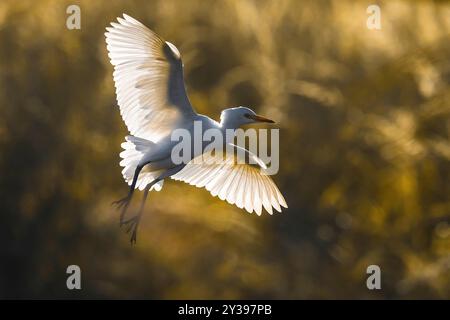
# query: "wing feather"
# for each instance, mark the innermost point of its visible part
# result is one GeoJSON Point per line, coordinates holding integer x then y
{"type": "Point", "coordinates": [248, 204]}
{"type": "Point", "coordinates": [148, 76]}
{"type": "Point", "coordinates": [238, 183]}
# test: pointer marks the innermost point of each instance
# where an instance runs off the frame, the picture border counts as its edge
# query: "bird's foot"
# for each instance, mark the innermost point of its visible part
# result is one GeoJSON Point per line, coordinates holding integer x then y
{"type": "Point", "coordinates": [132, 226]}
{"type": "Point", "coordinates": [122, 202]}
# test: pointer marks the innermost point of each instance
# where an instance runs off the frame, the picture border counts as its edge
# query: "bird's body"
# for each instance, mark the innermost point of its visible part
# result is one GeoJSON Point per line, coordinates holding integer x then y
{"type": "Point", "coordinates": [148, 74]}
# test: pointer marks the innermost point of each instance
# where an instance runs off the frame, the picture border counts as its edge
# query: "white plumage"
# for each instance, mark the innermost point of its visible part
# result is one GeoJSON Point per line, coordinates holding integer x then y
{"type": "Point", "coordinates": [239, 184]}
{"type": "Point", "coordinates": [148, 76]}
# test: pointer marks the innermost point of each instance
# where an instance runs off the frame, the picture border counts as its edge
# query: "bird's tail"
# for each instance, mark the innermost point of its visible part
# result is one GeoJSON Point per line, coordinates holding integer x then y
{"type": "Point", "coordinates": [134, 150]}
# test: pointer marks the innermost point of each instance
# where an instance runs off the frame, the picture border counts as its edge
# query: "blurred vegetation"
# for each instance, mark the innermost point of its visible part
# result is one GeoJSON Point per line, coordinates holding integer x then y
{"type": "Point", "coordinates": [365, 152]}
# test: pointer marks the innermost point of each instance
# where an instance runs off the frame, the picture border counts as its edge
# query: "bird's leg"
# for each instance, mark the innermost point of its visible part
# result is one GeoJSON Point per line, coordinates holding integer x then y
{"type": "Point", "coordinates": [134, 221]}
{"type": "Point", "coordinates": [125, 202]}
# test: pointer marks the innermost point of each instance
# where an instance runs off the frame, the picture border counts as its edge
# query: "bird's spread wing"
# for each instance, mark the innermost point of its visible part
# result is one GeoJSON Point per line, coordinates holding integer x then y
{"type": "Point", "coordinates": [148, 75]}
{"type": "Point", "coordinates": [239, 183]}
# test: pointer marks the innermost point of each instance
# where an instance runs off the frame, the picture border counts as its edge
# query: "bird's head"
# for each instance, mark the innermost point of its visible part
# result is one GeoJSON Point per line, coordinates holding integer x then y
{"type": "Point", "coordinates": [239, 116]}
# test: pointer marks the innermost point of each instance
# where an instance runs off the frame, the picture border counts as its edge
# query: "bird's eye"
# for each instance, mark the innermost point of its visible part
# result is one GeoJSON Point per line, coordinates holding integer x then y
{"type": "Point", "coordinates": [247, 115]}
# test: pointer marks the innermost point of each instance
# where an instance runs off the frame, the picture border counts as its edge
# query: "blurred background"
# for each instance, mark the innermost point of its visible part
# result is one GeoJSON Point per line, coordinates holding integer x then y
{"type": "Point", "coordinates": [364, 119]}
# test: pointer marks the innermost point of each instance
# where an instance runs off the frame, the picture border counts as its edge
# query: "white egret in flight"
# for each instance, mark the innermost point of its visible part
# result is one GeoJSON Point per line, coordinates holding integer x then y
{"type": "Point", "coordinates": [148, 76]}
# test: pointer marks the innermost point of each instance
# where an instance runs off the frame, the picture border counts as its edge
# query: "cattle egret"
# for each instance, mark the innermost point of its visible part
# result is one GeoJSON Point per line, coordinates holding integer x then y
{"type": "Point", "coordinates": [148, 76]}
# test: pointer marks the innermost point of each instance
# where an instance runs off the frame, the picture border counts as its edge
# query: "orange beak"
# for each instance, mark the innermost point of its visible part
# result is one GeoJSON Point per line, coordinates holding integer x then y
{"type": "Point", "coordinates": [259, 118]}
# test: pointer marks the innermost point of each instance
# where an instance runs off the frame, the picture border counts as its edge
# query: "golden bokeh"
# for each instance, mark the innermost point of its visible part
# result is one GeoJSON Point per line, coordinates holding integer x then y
{"type": "Point", "coordinates": [364, 119]}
